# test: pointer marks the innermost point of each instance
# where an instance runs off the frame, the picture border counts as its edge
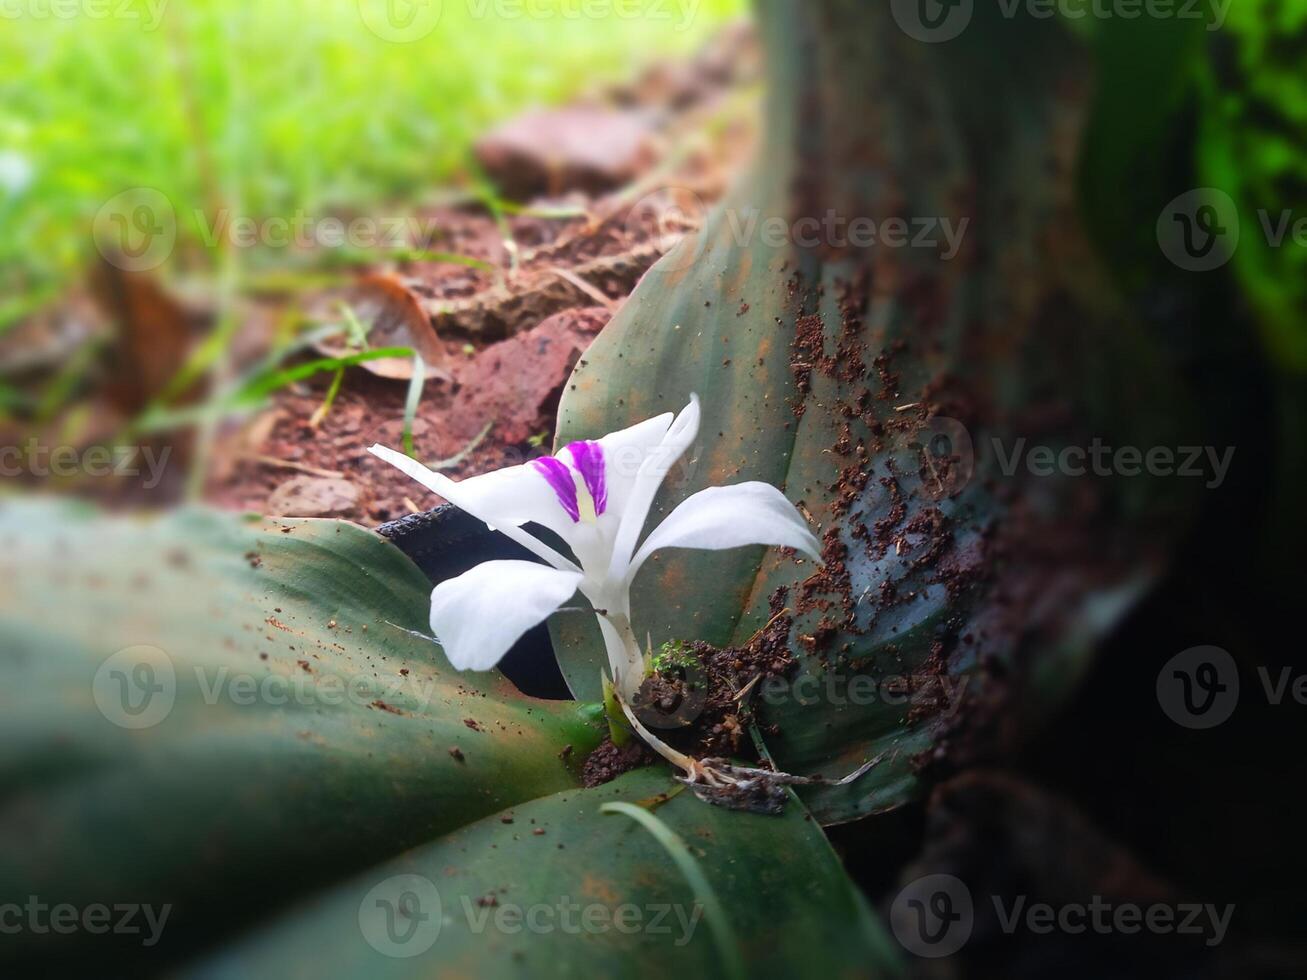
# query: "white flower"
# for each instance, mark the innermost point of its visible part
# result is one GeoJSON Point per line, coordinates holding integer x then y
{"type": "Point", "coordinates": [595, 496]}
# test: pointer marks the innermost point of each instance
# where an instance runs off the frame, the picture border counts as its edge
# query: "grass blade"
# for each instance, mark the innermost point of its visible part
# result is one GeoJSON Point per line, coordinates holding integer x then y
{"type": "Point", "coordinates": [320, 415]}
{"type": "Point", "coordinates": [262, 387]}
{"type": "Point", "coordinates": [723, 934]}
{"type": "Point", "coordinates": [412, 401]}
{"type": "Point", "coordinates": [464, 453]}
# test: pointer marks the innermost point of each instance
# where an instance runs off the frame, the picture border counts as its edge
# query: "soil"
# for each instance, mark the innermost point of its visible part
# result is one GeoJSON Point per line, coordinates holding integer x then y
{"type": "Point", "coordinates": [704, 706]}
{"type": "Point", "coordinates": [511, 332]}
{"type": "Point", "coordinates": [607, 762]}
{"type": "Point", "coordinates": [495, 372]}
{"type": "Point", "coordinates": [283, 445]}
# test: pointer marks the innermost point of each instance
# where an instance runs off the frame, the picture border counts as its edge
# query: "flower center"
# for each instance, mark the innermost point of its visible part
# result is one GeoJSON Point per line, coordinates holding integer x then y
{"type": "Point", "coordinates": [581, 488]}
{"type": "Point", "coordinates": [587, 513]}
{"type": "Point", "coordinates": [588, 462]}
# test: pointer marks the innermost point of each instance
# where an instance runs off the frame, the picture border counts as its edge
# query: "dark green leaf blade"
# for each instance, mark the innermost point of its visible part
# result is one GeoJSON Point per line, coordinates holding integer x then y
{"type": "Point", "coordinates": [294, 728]}
{"type": "Point", "coordinates": [828, 369]}
{"type": "Point", "coordinates": [790, 904]}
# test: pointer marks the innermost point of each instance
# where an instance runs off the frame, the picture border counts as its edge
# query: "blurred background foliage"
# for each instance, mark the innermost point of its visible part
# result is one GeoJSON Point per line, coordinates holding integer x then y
{"type": "Point", "coordinates": [1255, 114]}
{"type": "Point", "coordinates": [270, 108]}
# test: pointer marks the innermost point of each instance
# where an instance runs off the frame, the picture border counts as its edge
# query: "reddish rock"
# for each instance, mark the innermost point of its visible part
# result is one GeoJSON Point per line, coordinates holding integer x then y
{"type": "Point", "coordinates": [553, 151]}
{"type": "Point", "coordinates": [311, 496]}
{"type": "Point", "coordinates": [516, 383]}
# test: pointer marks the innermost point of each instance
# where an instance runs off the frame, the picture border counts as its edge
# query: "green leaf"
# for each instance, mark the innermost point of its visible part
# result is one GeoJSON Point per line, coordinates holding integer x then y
{"type": "Point", "coordinates": [619, 729]}
{"type": "Point", "coordinates": [782, 891]}
{"type": "Point", "coordinates": [262, 387]}
{"type": "Point", "coordinates": [803, 354]}
{"type": "Point", "coordinates": [296, 728]}
{"type": "Point", "coordinates": [719, 923]}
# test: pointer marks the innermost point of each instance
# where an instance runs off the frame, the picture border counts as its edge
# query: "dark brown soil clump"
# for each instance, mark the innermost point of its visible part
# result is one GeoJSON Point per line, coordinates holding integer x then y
{"type": "Point", "coordinates": [701, 699]}
{"type": "Point", "coordinates": [608, 761]}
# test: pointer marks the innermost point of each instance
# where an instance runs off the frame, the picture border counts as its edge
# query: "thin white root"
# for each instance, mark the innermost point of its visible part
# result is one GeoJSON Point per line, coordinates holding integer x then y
{"type": "Point", "coordinates": [720, 782]}
{"type": "Point", "coordinates": [715, 781]}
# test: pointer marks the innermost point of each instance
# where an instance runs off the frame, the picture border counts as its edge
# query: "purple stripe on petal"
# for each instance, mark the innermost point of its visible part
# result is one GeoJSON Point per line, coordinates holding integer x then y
{"type": "Point", "coordinates": [559, 477]}
{"type": "Point", "coordinates": [589, 458]}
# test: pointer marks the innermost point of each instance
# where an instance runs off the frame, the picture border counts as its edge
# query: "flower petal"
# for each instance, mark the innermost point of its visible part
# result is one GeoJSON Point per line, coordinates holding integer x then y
{"type": "Point", "coordinates": [657, 464]}
{"type": "Point", "coordinates": [624, 453]}
{"type": "Point", "coordinates": [505, 499]}
{"type": "Point", "coordinates": [478, 616]}
{"type": "Point", "coordinates": [588, 462]}
{"type": "Point", "coordinates": [560, 479]}
{"type": "Point", "coordinates": [731, 517]}
{"type": "Point", "coordinates": [512, 496]}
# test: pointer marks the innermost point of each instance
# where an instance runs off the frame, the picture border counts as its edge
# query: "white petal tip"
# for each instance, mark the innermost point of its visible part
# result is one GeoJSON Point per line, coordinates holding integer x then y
{"type": "Point", "coordinates": [482, 613]}
{"type": "Point", "coordinates": [469, 668]}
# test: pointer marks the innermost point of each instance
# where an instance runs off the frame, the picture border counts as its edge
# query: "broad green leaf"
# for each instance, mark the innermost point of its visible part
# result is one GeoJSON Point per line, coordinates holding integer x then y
{"type": "Point", "coordinates": [216, 712]}
{"type": "Point", "coordinates": [557, 888]}
{"type": "Point", "coordinates": [1009, 334]}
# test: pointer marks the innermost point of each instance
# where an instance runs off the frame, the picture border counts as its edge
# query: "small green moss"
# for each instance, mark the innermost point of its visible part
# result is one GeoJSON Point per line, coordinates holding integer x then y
{"type": "Point", "coordinates": [673, 655]}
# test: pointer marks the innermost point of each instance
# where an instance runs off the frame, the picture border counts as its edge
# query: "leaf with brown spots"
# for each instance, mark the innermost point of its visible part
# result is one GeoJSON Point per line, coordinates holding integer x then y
{"type": "Point", "coordinates": [629, 911]}
{"type": "Point", "coordinates": [957, 602]}
{"type": "Point", "coordinates": [283, 754]}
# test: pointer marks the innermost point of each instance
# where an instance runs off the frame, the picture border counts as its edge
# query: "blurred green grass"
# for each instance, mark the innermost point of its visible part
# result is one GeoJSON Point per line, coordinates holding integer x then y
{"type": "Point", "coordinates": [267, 108]}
